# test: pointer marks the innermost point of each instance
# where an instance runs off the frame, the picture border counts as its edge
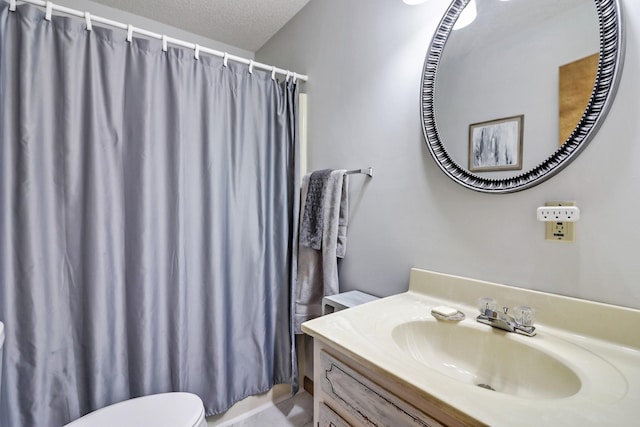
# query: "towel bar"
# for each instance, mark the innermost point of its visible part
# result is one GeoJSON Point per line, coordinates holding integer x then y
{"type": "Point", "coordinates": [368, 172]}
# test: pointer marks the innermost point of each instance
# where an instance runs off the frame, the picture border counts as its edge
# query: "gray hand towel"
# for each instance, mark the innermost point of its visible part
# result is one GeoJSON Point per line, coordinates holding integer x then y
{"type": "Point", "coordinates": [317, 273]}
{"type": "Point", "coordinates": [343, 217]}
{"type": "Point", "coordinates": [313, 216]}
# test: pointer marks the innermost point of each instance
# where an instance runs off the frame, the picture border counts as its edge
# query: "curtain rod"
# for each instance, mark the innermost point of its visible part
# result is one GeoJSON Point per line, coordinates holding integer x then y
{"type": "Point", "coordinates": [50, 7]}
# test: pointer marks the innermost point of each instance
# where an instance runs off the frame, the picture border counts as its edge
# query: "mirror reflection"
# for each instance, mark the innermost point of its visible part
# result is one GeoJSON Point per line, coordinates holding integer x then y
{"type": "Point", "coordinates": [514, 82]}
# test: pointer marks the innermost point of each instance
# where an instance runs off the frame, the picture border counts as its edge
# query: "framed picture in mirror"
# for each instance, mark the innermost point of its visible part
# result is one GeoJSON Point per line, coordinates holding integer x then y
{"type": "Point", "coordinates": [496, 145]}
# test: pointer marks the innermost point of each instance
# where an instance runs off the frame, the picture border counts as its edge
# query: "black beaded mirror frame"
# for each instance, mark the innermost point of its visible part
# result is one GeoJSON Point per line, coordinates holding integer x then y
{"type": "Point", "coordinates": [607, 78]}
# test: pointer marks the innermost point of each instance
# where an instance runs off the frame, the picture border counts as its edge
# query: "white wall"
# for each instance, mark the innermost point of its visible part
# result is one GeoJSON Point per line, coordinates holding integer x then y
{"type": "Point", "coordinates": [364, 61]}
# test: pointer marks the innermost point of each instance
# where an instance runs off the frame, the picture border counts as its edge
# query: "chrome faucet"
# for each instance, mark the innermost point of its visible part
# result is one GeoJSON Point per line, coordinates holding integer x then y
{"type": "Point", "coordinates": [521, 324]}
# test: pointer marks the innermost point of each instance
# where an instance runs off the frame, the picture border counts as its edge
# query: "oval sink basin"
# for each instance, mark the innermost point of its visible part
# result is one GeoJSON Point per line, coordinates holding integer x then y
{"type": "Point", "coordinates": [488, 358]}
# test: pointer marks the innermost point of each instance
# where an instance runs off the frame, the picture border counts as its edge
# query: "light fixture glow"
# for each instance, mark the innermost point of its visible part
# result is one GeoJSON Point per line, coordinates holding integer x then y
{"type": "Point", "coordinates": [414, 2]}
{"type": "Point", "coordinates": [467, 16]}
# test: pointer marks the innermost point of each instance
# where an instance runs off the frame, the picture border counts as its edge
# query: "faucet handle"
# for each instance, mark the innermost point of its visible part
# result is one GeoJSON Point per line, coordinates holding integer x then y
{"type": "Point", "coordinates": [486, 304]}
{"type": "Point", "coordinates": [524, 315]}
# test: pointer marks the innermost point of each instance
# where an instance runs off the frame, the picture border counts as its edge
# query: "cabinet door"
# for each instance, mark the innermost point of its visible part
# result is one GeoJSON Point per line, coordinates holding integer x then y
{"type": "Point", "coordinates": [365, 401]}
{"type": "Point", "coordinates": [328, 418]}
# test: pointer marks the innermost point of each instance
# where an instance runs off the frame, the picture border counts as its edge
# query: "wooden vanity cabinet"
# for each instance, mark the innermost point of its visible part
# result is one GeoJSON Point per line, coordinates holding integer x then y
{"type": "Point", "coordinates": [349, 393]}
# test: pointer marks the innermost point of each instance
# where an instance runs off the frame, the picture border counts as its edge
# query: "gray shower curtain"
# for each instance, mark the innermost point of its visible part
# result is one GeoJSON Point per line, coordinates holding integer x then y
{"type": "Point", "coordinates": [147, 203]}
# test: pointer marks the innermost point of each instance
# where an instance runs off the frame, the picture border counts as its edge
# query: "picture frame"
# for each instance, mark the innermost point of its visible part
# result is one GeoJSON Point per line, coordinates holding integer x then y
{"type": "Point", "coordinates": [496, 145]}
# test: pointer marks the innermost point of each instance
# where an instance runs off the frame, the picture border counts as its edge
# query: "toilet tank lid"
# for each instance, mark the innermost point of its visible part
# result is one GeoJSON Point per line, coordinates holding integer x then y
{"type": "Point", "coordinates": [158, 410]}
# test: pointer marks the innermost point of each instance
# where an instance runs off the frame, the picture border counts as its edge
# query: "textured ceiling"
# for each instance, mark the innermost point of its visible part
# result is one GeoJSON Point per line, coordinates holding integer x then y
{"type": "Point", "coordinates": [247, 24]}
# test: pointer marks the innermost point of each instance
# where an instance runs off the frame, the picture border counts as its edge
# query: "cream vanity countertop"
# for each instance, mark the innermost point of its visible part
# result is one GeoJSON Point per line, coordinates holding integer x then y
{"type": "Point", "coordinates": [600, 343]}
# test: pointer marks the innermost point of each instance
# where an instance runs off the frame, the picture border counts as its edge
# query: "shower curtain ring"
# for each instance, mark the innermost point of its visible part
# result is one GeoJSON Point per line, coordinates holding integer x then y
{"type": "Point", "coordinates": [48, 11]}
{"type": "Point", "coordinates": [164, 42]}
{"type": "Point", "coordinates": [225, 58]}
{"type": "Point", "coordinates": [288, 76]}
{"type": "Point", "coordinates": [129, 33]}
{"type": "Point", "coordinates": [251, 66]}
{"type": "Point", "coordinates": [273, 73]}
{"type": "Point", "coordinates": [12, 6]}
{"type": "Point", "coordinates": [87, 18]}
{"type": "Point", "coordinates": [196, 51]}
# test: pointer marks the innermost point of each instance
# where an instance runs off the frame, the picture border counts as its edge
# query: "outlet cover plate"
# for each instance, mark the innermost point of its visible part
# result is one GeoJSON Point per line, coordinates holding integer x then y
{"type": "Point", "coordinates": [563, 231]}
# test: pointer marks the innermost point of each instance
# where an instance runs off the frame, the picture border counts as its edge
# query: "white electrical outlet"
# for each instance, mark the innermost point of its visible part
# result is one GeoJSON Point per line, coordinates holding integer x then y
{"type": "Point", "coordinates": [558, 213]}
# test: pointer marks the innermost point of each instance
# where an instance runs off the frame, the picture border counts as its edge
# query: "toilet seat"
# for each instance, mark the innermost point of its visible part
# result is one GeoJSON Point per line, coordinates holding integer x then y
{"type": "Point", "coordinates": [157, 410]}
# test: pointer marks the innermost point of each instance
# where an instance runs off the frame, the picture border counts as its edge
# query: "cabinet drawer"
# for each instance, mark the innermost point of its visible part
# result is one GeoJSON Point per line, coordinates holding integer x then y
{"type": "Point", "coordinates": [365, 401]}
{"type": "Point", "coordinates": [328, 418]}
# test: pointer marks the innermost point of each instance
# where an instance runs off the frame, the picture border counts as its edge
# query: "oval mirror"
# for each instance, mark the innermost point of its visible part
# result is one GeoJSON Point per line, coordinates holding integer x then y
{"type": "Point", "coordinates": [512, 91]}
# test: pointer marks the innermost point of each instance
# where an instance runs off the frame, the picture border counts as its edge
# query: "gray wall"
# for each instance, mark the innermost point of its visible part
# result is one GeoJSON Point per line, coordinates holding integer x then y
{"type": "Point", "coordinates": [364, 60]}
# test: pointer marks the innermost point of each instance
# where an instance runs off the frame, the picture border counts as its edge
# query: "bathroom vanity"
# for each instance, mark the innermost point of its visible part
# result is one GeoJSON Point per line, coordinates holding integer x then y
{"type": "Point", "coordinates": [351, 392]}
{"type": "Point", "coordinates": [391, 362]}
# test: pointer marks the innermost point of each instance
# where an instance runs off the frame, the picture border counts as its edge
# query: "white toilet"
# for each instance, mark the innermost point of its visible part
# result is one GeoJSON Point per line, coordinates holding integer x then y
{"type": "Point", "coordinates": [156, 410]}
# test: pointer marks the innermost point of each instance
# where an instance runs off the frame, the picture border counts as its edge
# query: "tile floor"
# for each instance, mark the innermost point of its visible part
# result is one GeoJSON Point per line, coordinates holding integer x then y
{"type": "Point", "coordinates": [296, 411]}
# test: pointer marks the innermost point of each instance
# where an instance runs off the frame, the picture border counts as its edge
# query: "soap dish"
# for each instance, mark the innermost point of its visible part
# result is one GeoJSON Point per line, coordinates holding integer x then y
{"type": "Point", "coordinates": [456, 317]}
